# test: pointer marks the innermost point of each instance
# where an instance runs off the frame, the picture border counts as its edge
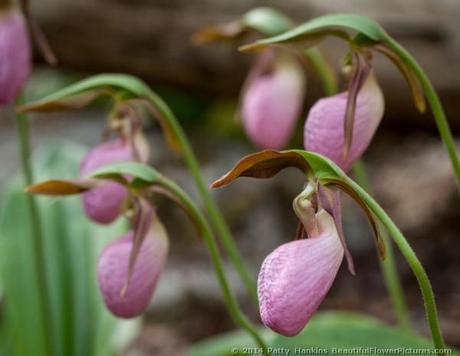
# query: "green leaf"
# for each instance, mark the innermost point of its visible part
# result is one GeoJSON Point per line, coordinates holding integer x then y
{"type": "Point", "coordinates": [326, 24]}
{"type": "Point", "coordinates": [347, 330]}
{"type": "Point", "coordinates": [226, 344]}
{"type": "Point", "coordinates": [267, 163]}
{"type": "Point", "coordinates": [119, 86]}
{"type": "Point", "coordinates": [61, 98]}
{"type": "Point", "coordinates": [266, 20]}
{"type": "Point", "coordinates": [80, 323]}
{"type": "Point", "coordinates": [324, 332]}
{"type": "Point", "coordinates": [136, 170]}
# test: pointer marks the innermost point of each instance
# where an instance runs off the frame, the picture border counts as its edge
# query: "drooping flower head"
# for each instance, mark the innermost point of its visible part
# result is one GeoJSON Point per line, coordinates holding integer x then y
{"type": "Point", "coordinates": [15, 54]}
{"type": "Point", "coordinates": [272, 99]}
{"type": "Point", "coordinates": [103, 204]}
{"type": "Point", "coordinates": [130, 300]}
{"type": "Point", "coordinates": [324, 131]}
{"type": "Point", "coordinates": [295, 278]}
{"type": "Point", "coordinates": [130, 266]}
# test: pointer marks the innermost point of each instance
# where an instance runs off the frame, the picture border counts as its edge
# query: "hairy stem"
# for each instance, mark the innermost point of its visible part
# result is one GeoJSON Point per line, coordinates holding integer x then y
{"type": "Point", "coordinates": [435, 104]}
{"type": "Point", "coordinates": [230, 300]}
{"type": "Point", "coordinates": [215, 216]}
{"type": "Point", "coordinates": [412, 260]}
{"type": "Point", "coordinates": [22, 126]}
{"type": "Point", "coordinates": [388, 266]}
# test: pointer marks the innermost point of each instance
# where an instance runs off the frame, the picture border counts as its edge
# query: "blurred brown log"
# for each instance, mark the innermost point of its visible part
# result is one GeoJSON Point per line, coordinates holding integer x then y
{"type": "Point", "coordinates": [152, 39]}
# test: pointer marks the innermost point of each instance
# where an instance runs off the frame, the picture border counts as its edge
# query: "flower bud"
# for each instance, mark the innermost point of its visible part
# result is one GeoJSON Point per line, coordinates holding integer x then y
{"type": "Point", "coordinates": [295, 278]}
{"type": "Point", "coordinates": [15, 55]}
{"type": "Point", "coordinates": [103, 204]}
{"type": "Point", "coordinates": [130, 300]}
{"type": "Point", "coordinates": [324, 129]}
{"type": "Point", "coordinates": [272, 102]}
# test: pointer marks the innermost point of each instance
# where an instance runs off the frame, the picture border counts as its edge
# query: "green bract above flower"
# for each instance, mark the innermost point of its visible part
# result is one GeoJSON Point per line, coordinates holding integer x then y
{"type": "Point", "coordinates": [120, 87]}
{"type": "Point", "coordinates": [263, 20]}
{"type": "Point", "coordinates": [358, 31]}
{"type": "Point", "coordinates": [267, 163]}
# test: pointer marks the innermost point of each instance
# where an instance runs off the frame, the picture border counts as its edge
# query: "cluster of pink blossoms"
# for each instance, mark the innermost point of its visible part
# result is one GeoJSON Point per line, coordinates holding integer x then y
{"type": "Point", "coordinates": [126, 289]}
{"type": "Point", "coordinates": [295, 277]}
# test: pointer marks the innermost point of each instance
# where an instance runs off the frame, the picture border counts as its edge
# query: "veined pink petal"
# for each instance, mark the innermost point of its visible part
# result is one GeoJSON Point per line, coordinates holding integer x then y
{"type": "Point", "coordinates": [324, 129]}
{"type": "Point", "coordinates": [295, 278]}
{"type": "Point", "coordinates": [106, 153]}
{"type": "Point", "coordinates": [15, 55]}
{"type": "Point", "coordinates": [113, 269]}
{"type": "Point", "coordinates": [272, 103]}
{"type": "Point", "coordinates": [103, 204]}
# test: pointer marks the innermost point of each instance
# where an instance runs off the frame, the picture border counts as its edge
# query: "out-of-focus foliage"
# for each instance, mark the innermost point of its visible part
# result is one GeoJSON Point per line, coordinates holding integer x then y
{"type": "Point", "coordinates": [79, 324]}
{"type": "Point", "coordinates": [325, 331]}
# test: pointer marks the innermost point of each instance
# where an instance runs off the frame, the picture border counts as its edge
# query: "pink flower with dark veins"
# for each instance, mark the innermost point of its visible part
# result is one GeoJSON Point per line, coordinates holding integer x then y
{"type": "Point", "coordinates": [272, 100]}
{"type": "Point", "coordinates": [103, 204]}
{"type": "Point", "coordinates": [295, 277]}
{"type": "Point", "coordinates": [113, 269]}
{"type": "Point", "coordinates": [15, 55]}
{"type": "Point", "coordinates": [324, 128]}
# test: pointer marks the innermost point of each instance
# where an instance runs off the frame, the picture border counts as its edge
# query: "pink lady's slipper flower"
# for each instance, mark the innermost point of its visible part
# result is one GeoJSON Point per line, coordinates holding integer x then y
{"type": "Point", "coordinates": [272, 100]}
{"type": "Point", "coordinates": [130, 300]}
{"type": "Point", "coordinates": [296, 277]}
{"type": "Point", "coordinates": [15, 55]}
{"type": "Point", "coordinates": [103, 204]}
{"type": "Point", "coordinates": [324, 130]}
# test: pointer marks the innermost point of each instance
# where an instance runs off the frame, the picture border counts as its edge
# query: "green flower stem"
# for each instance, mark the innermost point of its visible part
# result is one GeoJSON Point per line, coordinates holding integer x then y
{"type": "Point", "coordinates": [412, 260]}
{"type": "Point", "coordinates": [325, 72]}
{"type": "Point", "coordinates": [211, 207]}
{"type": "Point", "coordinates": [22, 126]}
{"type": "Point", "coordinates": [435, 104]}
{"type": "Point", "coordinates": [388, 266]}
{"type": "Point", "coordinates": [230, 300]}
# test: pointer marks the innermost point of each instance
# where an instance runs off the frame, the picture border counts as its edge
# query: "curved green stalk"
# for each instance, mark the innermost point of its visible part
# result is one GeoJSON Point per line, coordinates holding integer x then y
{"type": "Point", "coordinates": [325, 72]}
{"type": "Point", "coordinates": [230, 300]}
{"type": "Point", "coordinates": [388, 266]}
{"type": "Point", "coordinates": [435, 104]}
{"type": "Point", "coordinates": [22, 126]}
{"type": "Point", "coordinates": [214, 214]}
{"type": "Point", "coordinates": [412, 260]}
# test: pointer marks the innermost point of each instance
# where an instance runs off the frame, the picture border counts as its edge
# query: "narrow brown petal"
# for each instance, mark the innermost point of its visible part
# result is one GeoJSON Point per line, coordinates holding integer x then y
{"type": "Point", "coordinates": [380, 244]}
{"type": "Point", "coordinates": [63, 186]}
{"type": "Point", "coordinates": [38, 35]}
{"type": "Point", "coordinates": [360, 74]}
{"type": "Point", "coordinates": [332, 204]}
{"type": "Point", "coordinates": [69, 103]}
{"type": "Point", "coordinates": [168, 131]}
{"type": "Point", "coordinates": [144, 220]}
{"type": "Point", "coordinates": [224, 32]}
{"type": "Point", "coordinates": [414, 84]}
{"type": "Point", "coordinates": [263, 164]}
